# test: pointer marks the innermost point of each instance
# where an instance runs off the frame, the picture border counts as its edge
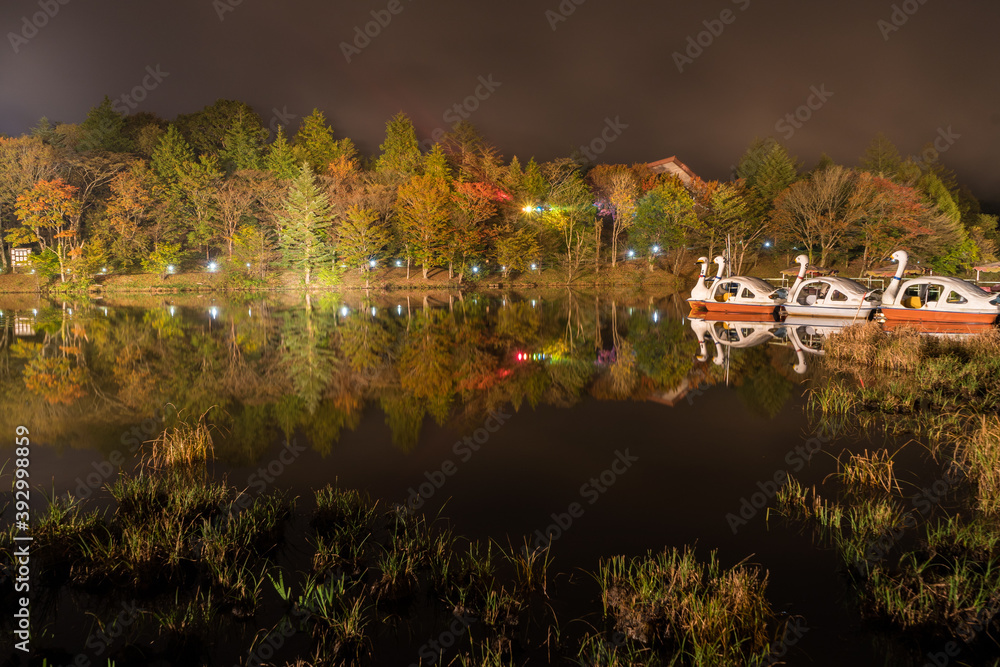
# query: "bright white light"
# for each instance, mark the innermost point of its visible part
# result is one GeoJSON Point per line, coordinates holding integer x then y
{"type": "Point", "coordinates": [528, 209]}
{"type": "Point", "coordinates": [214, 312]}
{"type": "Point", "coordinates": [503, 268]}
{"type": "Point", "coordinates": [475, 269]}
{"type": "Point", "coordinates": [631, 253]}
{"type": "Point", "coordinates": [250, 312]}
{"type": "Point", "coordinates": [34, 311]}
{"type": "Point", "coordinates": [534, 266]}
{"type": "Point", "coordinates": [767, 244]}
{"type": "Point", "coordinates": [656, 316]}
{"type": "Point", "coordinates": [656, 249]}
{"type": "Point", "coordinates": [104, 270]}
{"type": "Point", "coordinates": [171, 311]}
{"type": "Point", "coordinates": [532, 303]}
{"type": "Point", "coordinates": [372, 263]}
{"type": "Point", "coordinates": [374, 311]}
{"type": "Point", "coordinates": [398, 263]}
{"type": "Point", "coordinates": [212, 266]}
{"type": "Point", "coordinates": [248, 265]}
{"type": "Point", "coordinates": [345, 311]}
{"type": "Point", "coordinates": [399, 309]}
{"type": "Point", "coordinates": [170, 268]}
{"type": "Point", "coordinates": [70, 311]}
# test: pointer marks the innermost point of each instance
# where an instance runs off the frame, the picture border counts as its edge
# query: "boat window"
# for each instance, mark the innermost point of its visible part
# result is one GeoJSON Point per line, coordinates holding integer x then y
{"type": "Point", "coordinates": [934, 292]}
{"type": "Point", "coordinates": [747, 294]}
{"type": "Point", "coordinates": [955, 297]}
{"type": "Point", "coordinates": [726, 291]}
{"type": "Point", "coordinates": [746, 333]}
{"type": "Point", "coordinates": [838, 296]}
{"type": "Point", "coordinates": [811, 293]}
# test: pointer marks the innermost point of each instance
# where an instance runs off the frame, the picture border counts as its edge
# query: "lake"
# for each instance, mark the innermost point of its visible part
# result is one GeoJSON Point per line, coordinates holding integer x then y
{"type": "Point", "coordinates": [601, 424]}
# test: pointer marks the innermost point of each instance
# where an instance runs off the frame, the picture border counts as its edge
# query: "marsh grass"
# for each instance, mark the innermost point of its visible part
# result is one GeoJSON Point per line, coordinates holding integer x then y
{"type": "Point", "coordinates": [183, 446]}
{"type": "Point", "coordinates": [531, 567]}
{"type": "Point", "coordinates": [596, 651]}
{"type": "Point", "coordinates": [979, 456]}
{"type": "Point", "coordinates": [713, 616]}
{"type": "Point", "coordinates": [874, 470]}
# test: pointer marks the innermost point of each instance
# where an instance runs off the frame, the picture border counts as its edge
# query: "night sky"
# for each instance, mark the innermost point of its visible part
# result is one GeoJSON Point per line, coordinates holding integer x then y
{"type": "Point", "coordinates": [562, 73]}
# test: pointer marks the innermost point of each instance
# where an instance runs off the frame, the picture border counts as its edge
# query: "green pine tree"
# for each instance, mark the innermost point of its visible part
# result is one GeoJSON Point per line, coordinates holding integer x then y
{"type": "Point", "coordinates": [243, 144]}
{"type": "Point", "coordinates": [280, 158]}
{"type": "Point", "coordinates": [104, 130]}
{"type": "Point", "coordinates": [436, 163]}
{"type": "Point", "coordinates": [314, 143]}
{"type": "Point", "coordinates": [304, 225]}
{"type": "Point", "coordinates": [400, 156]}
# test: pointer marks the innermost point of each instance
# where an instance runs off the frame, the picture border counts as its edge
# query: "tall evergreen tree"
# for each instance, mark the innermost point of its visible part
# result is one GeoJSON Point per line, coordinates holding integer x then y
{"type": "Point", "coordinates": [314, 143]}
{"type": "Point", "coordinates": [881, 158]}
{"type": "Point", "coordinates": [243, 144]}
{"type": "Point", "coordinates": [400, 156]}
{"type": "Point", "coordinates": [280, 158]}
{"type": "Point", "coordinates": [304, 224]}
{"type": "Point", "coordinates": [104, 130]}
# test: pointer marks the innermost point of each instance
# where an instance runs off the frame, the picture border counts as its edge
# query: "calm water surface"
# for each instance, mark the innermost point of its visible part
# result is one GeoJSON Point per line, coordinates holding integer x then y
{"type": "Point", "coordinates": [497, 411]}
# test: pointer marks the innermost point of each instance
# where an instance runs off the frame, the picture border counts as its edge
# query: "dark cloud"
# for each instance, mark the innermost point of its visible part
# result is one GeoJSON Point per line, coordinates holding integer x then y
{"type": "Point", "coordinates": [558, 87]}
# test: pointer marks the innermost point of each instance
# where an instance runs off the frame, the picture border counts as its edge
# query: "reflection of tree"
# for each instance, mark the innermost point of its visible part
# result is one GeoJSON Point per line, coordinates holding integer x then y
{"type": "Point", "coordinates": [404, 415]}
{"type": "Point", "coordinates": [665, 351]}
{"type": "Point", "coordinates": [761, 385]}
{"type": "Point", "coordinates": [425, 362]}
{"type": "Point", "coordinates": [307, 363]}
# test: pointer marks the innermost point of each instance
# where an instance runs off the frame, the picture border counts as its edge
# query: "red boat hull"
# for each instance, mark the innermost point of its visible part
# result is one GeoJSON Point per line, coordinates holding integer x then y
{"type": "Point", "coordinates": [736, 308]}
{"type": "Point", "coordinates": [896, 315]}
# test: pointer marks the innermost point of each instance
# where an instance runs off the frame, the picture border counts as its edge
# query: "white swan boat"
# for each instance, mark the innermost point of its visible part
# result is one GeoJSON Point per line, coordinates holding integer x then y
{"type": "Point", "coordinates": [827, 296]}
{"type": "Point", "coordinates": [739, 294]}
{"type": "Point", "coordinates": [936, 299]}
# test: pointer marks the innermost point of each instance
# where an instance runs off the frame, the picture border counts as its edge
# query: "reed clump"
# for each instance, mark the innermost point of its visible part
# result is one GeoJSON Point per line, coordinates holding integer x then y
{"type": "Point", "coordinates": [713, 616]}
{"type": "Point", "coordinates": [184, 446]}
{"type": "Point", "coordinates": [874, 470]}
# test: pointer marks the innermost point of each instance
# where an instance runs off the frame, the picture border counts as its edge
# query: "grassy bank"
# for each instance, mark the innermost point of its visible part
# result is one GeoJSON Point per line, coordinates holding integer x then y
{"type": "Point", "coordinates": [924, 559]}
{"type": "Point", "coordinates": [630, 275]}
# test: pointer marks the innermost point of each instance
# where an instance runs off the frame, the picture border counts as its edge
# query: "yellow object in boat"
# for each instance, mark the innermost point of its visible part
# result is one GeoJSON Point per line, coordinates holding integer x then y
{"type": "Point", "coordinates": [912, 302]}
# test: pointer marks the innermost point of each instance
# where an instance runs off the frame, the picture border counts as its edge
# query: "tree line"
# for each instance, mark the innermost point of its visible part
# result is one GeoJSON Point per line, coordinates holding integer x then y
{"type": "Point", "coordinates": [134, 193]}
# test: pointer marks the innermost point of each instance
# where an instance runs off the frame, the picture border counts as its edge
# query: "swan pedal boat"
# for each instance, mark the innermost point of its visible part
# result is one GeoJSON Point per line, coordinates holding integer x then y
{"type": "Point", "coordinates": [828, 296]}
{"type": "Point", "coordinates": [739, 294]}
{"type": "Point", "coordinates": [939, 299]}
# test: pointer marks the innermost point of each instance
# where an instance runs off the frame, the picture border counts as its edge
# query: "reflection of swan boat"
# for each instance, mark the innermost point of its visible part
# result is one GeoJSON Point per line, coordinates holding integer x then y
{"type": "Point", "coordinates": [828, 296]}
{"type": "Point", "coordinates": [936, 299]}
{"type": "Point", "coordinates": [732, 335]}
{"type": "Point", "coordinates": [739, 294]}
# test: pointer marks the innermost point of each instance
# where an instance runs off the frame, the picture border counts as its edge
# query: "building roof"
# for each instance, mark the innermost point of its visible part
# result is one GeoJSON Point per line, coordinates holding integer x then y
{"type": "Point", "coordinates": [672, 165]}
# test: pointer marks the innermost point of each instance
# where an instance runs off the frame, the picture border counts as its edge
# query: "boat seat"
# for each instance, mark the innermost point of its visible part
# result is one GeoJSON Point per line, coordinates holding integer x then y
{"type": "Point", "coordinates": [726, 296]}
{"type": "Point", "coordinates": [912, 302]}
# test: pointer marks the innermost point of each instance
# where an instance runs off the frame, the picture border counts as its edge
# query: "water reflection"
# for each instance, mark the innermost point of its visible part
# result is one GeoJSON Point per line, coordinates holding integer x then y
{"type": "Point", "coordinates": [268, 368]}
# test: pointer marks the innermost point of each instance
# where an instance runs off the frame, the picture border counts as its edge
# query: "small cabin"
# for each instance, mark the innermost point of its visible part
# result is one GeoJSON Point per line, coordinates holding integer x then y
{"type": "Point", "coordinates": [673, 166]}
{"type": "Point", "coordinates": [20, 258]}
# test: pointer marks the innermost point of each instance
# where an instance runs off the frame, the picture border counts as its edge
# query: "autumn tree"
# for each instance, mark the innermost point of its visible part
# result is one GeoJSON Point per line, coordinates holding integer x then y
{"type": "Point", "coordinates": [129, 218]}
{"type": "Point", "coordinates": [814, 212]}
{"type": "Point", "coordinates": [361, 237]}
{"type": "Point", "coordinates": [889, 216]}
{"type": "Point", "coordinates": [665, 218]}
{"type": "Point", "coordinates": [24, 161]}
{"type": "Point", "coordinates": [46, 212]}
{"type": "Point", "coordinates": [570, 211]}
{"type": "Point", "coordinates": [423, 208]}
